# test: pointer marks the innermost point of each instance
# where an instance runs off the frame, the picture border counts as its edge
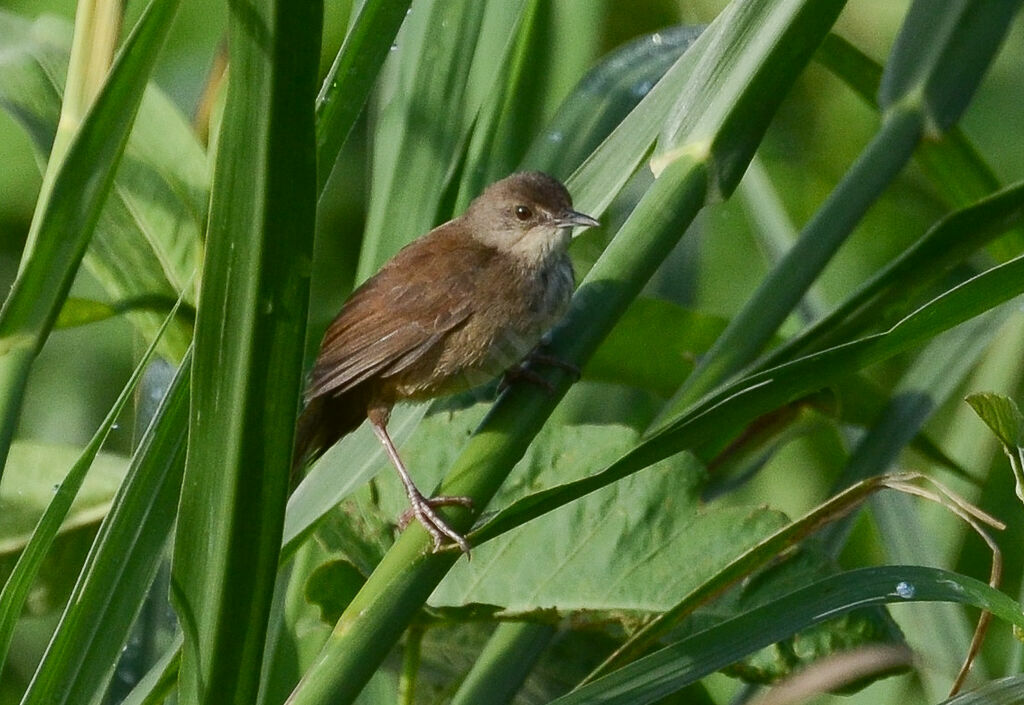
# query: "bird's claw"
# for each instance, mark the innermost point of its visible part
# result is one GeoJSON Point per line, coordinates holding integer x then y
{"type": "Point", "coordinates": [422, 509]}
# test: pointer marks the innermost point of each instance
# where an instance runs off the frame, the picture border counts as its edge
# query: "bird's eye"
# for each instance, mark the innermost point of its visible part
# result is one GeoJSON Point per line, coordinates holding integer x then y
{"type": "Point", "coordinates": [524, 212]}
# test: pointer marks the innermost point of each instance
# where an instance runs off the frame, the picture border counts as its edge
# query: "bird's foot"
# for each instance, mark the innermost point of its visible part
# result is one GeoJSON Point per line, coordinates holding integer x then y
{"type": "Point", "coordinates": [540, 358]}
{"type": "Point", "coordinates": [523, 373]}
{"type": "Point", "coordinates": [422, 509]}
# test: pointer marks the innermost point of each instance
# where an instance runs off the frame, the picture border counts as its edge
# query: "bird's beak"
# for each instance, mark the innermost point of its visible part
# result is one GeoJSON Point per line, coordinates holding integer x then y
{"type": "Point", "coordinates": [570, 219]}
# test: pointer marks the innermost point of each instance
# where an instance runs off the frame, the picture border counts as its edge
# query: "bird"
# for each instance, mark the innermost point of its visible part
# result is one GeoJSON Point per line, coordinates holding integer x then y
{"type": "Point", "coordinates": [456, 308]}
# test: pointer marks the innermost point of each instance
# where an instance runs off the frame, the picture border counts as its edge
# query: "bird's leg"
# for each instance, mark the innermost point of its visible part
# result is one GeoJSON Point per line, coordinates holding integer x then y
{"type": "Point", "coordinates": [420, 507]}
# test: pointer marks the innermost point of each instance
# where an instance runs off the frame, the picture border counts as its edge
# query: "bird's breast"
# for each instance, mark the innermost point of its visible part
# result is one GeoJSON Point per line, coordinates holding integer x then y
{"type": "Point", "coordinates": [507, 324]}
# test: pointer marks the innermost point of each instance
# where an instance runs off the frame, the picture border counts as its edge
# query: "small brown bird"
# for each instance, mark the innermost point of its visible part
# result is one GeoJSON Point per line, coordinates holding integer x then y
{"type": "Point", "coordinates": [455, 308]}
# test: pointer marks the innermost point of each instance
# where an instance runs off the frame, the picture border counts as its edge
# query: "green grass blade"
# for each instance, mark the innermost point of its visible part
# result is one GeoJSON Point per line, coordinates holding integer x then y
{"type": "Point", "coordinates": [432, 71]}
{"type": "Point", "coordinates": [246, 369]}
{"type": "Point", "coordinates": [885, 297]}
{"type": "Point", "coordinates": [706, 428]}
{"type": "Point", "coordinates": [951, 161]}
{"type": "Point", "coordinates": [16, 589]}
{"type": "Point", "coordinates": [120, 568]}
{"type": "Point", "coordinates": [1003, 691]}
{"type": "Point", "coordinates": [940, 55]}
{"type": "Point", "coordinates": [666, 671]}
{"type": "Point", "coordinates": [754, 558]}
{"type": "Point", "coordinates": [604, 98]}
{"type": "Point", "coordinates": [147, 238]}
{"type": "Point", "coordinates": [352, 75]}
{"type": "Point", "coordinates": [905, 120]}
{"type": "Point", "coordinates": [160, 681]}
{"type": "Point", "coordinates": [69, 206]}
{"type": "Point", "coordinates": [504, 663]}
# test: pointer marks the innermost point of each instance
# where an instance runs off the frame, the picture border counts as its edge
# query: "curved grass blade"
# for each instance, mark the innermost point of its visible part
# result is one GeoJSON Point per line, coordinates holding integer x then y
{"type": "Point", "coordinates": [80, 312]}
{"type": "Point", "coordinates": [604, 98]}
{"type": "Point", "coordinates": [669, 669]}
{"type": "Point", "coordinates": [80, 659]}
{"type": "Point", "coordinates": [147, 237]}
{"type": "Point", "coordinates": [352, 75]}
{"type": "Point", "coordinates": [754, 558]}
{"type": "Point", "coordinates": [884, 297]}
{"type": "Point", "coordinates": [68, 208]}
{"type": "Point", "coordinates": [16, 589]}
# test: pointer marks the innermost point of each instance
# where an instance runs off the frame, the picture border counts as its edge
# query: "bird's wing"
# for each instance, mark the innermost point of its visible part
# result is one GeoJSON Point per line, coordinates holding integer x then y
{"type": "Point", "coordinates": [390, 322]}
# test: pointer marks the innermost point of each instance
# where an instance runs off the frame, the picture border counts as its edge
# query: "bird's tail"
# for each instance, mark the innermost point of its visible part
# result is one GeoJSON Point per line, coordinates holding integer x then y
{"type": "Point", "coordinates": [321, 424]}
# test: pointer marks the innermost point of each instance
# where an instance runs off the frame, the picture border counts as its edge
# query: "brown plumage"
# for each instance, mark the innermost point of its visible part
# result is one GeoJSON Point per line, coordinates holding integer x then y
{"type": "Point", "coordinates": [452, 310]}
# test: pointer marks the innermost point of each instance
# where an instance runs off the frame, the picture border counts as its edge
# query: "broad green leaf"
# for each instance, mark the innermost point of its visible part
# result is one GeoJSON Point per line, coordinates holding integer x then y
{"type": "Point", "coordinates": [644, 529]}
{"type": "Point", "coordinates": [666, 671]}
{"type": "Point", "coordinates": [246, 369]}
{"type": "Point", "coordinates": [1002, 415]}
{"type": "Point", "coordinates": [147, 239]}
{"type": "Point", "coordinates": [634, 547]}
{"type": "Point", "coordinates": [37, 471]}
